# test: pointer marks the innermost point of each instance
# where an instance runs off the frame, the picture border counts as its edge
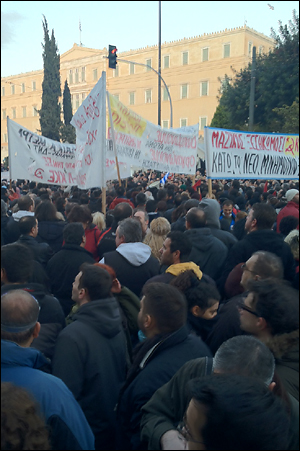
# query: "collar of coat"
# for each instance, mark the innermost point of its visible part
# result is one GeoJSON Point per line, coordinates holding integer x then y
{"type": "Point", "coordinates": [281, 344]}
{"type": "Point", "coordinates": [178, 268]}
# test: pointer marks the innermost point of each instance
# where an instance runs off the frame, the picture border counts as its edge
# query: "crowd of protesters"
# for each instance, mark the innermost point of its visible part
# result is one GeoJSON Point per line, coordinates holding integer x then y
{"type": "Point", "coordinates": [167, 318]}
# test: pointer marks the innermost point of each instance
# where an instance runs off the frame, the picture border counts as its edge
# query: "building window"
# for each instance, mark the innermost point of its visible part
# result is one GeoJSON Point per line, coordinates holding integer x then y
{"type": "Point", "coordinates": [131, 98]}
{"type": "Point", "coordinates": [24, 111]}
{"type": "Point", "coordinates": [76, 76]}
{"type": "Point", "coordinates": [83, 74]}
{"type": "Point", "coordinates": [3, 91]}
{"type": "Point", "coordinates": [5, 137]}
{"type": "Point", "coordinates": [34, 86]}
{"type": "Point", "coordinates": [13, 112]}
{"type": "Point", "coordinates": [185, 58]}
{"type": "Point", "coordinates": [95, 74]}
{"type": "Point", "coordinates": [165, 124]}
{"type": "Point", "coordinates": [148, 96]}
{"type": "Point", "coordinates": [166, 62]}
{"type": "Point", "coordinates": [226, 51]}
{"type": "Point", "coordinates": [116, 71]}
{"type": "Point", "coordinates": [165, 95]}
{"type": "Point", "coordinates": [184, 91]}
{"type": "Point", "coordinates": [13, 89]}
{"type": "Point", "coordinates": [148, 63]}
{"type": "Point", "coordinates": [77, 101]}
{"type": "Point", "coordinates": [183, 122]}
{"type": "Point", "coordinates": [3, 114]}
{"type": "Point", "coordinates": [34, 110]}
{"type": "Point", "coordinates": [205, 54]}
{"type": "Point", "coordinates": [204, 88]}
{"type": "Point", "coordinates": [249, 48]}
{"type": "Point", "coordinates": [260, 49]}
{"type": "Point", "coordinates": [70, 77]}
{"type": "Point", "coordinates": [117, 97]}
{"type": "Point", "coordinates": [131, 68]}
{"type": "Point", "coordinates": [202, 122]}
{"type": "Point", "coordinates": [83, 96]}
{"type": "Point", "coordinates": [23, 87]}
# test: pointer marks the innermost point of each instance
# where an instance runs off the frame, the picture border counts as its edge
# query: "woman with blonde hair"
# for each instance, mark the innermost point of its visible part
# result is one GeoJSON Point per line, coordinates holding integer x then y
{"type": "Point", "coordinates": [99, 220]}
{"type": "Point", "coordinates": [159, 229]}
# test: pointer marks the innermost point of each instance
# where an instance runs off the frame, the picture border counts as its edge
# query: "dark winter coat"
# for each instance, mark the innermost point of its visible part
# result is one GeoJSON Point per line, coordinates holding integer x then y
{"type": "Point", "coordinates": [51, 232]}
{"type": "Point", "coordinates": [62, 269]}
{"type": "Point", "coordinates": [208, 252]}
{"type": "Point", "coordinates": [291, 209]}
{"type": "Point", "coordinates": [42, 252]}
{"type": "Point", "coordinates": [51, 316]}
{"type": "Point", "coordinates": [90, 357]}
{"type": "Point", "coordinates": [156, 368]}
{"type": "Point", "coordinates": [68, 426]}
{"type": "Point", "coordinates": [107, 240]}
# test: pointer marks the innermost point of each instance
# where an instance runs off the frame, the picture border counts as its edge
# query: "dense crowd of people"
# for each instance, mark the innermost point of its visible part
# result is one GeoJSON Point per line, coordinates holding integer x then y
{"type": "Point", "coordinates": [167, 318]}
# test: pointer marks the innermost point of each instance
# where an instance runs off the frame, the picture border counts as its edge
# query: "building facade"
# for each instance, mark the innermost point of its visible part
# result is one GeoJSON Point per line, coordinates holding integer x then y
{"type": "Point", "coordinates": [192, 68]}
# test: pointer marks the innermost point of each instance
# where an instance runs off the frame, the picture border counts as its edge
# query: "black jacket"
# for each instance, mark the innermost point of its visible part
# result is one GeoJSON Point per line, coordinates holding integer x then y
{"type": "Point", "coordinates": [51, 232]}
{"type": "Point", "coordinates": [208, 252]}
{"type": "Point", "coordinates": [51, 316]}
{"type": "Point", "coordinates": [42, 252]}
{"type": "Point", "coordinates": [90, 357]}
{"type": "Point", "coordinates": [62, 269]}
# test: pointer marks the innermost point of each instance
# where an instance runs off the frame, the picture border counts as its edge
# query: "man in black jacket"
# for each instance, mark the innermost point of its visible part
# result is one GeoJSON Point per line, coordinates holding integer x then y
{"type": "Point", "coordinates": [64, 266]}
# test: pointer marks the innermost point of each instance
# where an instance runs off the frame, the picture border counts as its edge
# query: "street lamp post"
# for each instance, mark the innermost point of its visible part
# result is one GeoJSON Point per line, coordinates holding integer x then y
{"type": "Point", "coordinates": [159, 63]}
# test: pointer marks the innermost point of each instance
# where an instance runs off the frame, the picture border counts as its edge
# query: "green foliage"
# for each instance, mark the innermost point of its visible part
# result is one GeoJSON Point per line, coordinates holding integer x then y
{"type": "Point", "coordinates": [50, 111]}
{"type": "Point", "coordinates": [276, 87]}
{"type": "Point", "coordinates": [288, 118]}
{"type": "Point", "coordinates": [67, 131]}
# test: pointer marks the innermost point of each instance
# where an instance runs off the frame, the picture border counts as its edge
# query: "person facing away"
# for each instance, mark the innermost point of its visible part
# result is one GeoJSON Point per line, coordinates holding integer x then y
{"type": "Point", "coordinates": [291, 208]}
{"type": "Point", "coordinates": [24, 366]}
{"type": "Point", "coordinates": [25, 208]}
{"type": "Point", "coordinates": [167, 346]}
{"type": "Point", "coordinates": [245, 356]}
{"type": "Point", "coordinates": [90, 353]}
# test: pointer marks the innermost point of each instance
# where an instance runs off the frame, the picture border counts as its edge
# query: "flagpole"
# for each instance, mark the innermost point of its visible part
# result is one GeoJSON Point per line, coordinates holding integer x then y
{"type": "Point", "coordinates": [9, 152]}
{"type": "Point", "coordinates": [104, 146]}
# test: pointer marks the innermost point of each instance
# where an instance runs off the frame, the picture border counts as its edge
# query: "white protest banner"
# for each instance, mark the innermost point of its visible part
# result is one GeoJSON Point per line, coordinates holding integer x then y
{"type": "Point", "coordinates": [235, 154]}
{"type": "Point", "coordinates": [143, 144]}
{"type": "Point", "coordinates": [90, 123]}
{"type": "Point", "coordinates": [111, 172]}
{"type": "Point", "coordinates": [34, 157]}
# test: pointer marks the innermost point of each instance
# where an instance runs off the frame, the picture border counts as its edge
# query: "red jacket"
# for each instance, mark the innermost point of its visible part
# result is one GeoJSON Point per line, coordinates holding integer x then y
{"type": "Point", "coordinates": [119, 200]}
{"type": "Point", "coordinates": [92, 235]}
{"type": "Point", "coordinates": [291, 209]}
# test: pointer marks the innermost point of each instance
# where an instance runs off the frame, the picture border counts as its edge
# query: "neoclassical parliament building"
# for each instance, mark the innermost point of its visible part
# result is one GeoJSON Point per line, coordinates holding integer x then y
{"type": "Point", "coordinates": [192, 68]}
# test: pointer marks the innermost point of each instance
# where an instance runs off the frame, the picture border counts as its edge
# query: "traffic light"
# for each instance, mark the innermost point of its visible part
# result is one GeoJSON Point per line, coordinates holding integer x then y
{"type": "Point", "coordinates": [112, 56]}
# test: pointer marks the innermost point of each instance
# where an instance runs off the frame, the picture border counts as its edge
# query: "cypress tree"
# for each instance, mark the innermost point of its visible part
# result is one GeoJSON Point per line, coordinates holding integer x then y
{"type": "Point", "coordinates": [50, 111]}
{"type": "Point", "coordinates": [68, 133]}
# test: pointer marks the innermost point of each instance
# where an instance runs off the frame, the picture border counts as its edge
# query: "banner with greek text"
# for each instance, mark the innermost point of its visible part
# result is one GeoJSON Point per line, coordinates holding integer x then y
{"type": "Point", "coordinates": [232, 154]}
{"type": "Point", "coordinates": [142, 144]}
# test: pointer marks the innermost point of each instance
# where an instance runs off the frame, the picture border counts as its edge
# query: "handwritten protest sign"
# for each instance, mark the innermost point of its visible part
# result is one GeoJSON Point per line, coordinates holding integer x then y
{"type": "Point", "coordinates": [242, 155]}
{"type": "Point", "coordinates": [143, 144]}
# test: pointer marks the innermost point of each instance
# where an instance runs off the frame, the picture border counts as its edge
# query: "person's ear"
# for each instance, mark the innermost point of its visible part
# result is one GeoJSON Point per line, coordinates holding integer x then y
{"type": "Point", "coordinates": [149, 322]}
{"type": "Point", "coordinates": [262, 324]}
{"type": "Point", "coordinates": [196, 311]}
{"type": "Point", "coordinates": [272, 386]}
{"type": "Point", "coordinates": [36, 330]}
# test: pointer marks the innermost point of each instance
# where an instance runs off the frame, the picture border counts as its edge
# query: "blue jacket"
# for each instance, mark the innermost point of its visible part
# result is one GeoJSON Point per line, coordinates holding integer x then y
{"type": "Point", "coordinates": [68, 425]}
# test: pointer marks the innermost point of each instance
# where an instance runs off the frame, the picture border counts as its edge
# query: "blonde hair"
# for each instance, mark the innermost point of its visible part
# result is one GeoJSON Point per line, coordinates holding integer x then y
{"type": "Point", "coordinates": [99, 220]}
{"type": "Point", "coordinates": [159, 229]}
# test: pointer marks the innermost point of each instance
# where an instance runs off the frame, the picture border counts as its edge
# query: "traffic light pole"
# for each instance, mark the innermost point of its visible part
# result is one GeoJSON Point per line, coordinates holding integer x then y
{"type": "Point", "coordinates": [145, 65]}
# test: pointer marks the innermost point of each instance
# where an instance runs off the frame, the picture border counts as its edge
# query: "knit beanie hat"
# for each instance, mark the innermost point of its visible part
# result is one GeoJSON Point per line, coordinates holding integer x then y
{"type": "Point", "coordinates": [290, 194]}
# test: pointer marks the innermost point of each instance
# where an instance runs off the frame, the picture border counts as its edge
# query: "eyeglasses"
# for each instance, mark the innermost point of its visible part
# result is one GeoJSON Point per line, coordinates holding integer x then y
{"type": "Point", "coordinates": [244, 268]}
{"type": "Point", "coordinates": [184, 433]}
{"type": "Point", "coordinates": [242, 306]}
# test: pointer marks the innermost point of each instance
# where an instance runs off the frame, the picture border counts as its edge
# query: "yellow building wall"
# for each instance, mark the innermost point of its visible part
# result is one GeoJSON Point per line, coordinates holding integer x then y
{"type": "Point", "coordinates": [122, 82]}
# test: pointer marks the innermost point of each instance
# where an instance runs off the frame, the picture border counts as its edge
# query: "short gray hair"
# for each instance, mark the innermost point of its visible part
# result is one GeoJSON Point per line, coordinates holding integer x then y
{"type": "Point", "coordinates": [131, 230]}
{"type": "Point", "coordinates": [247, 356]}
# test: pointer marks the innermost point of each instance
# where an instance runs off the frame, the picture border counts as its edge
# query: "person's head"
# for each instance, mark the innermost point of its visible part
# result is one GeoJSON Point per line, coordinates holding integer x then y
{"type": "Point", "coordinates": [91, 284]}
{"type": "Point", "coordinates": [234, 412]}
{"type": "Point", "coordinates": [81, 213]}
{"type": "Point", "coordinates": [19, 317]}
{"type": "Point", "coordinates": [293, 241]}
{"type": "Point", "coordinates": [74, 234]}
{"type": "Point", "coordinates": [163, 309]}
{"type": "Point", "coordinates": [143, 217]}
{"type": "Point", "coordinates": [287, 224]}
{"type": "Point", "coordinates": [247, 356]}
{"type": "Point", "coordinates": [122, 211]}
{"type": "Point", "coordinates": [202, 298]}
{"type": "Point", "coordinates": [227, 207]}
{"type": "Point", "coordinates": [99, 220]}
{"type": "Point", "coordinates": [141, 199]}
{"type": "Point", "coordinates": [16, 263]}
{"type": "Point", "coordinates": [195, 218]}
{"type": "Point", "coordinates": [271, 308]}
{"type": "Point", "coordinates": [22, 424]}
{"type": "Point", "coordinates": [261, 265]}
{"type": "Point", "coordinates": [176, 249]}
{"type": "Point", "coordinates": [159, 228]}
{"type": "Point", "coordinates": [212, 210]}
{"type": "Point", "coordinates": [129, 231]}
{"type": "Point", "coordinates": [116, 286]}
{"type": "Point", "coordinates": [120, 191]}
{"type": "Point", "coordinates": [26, 203]}
{"type": "Point", "coordinates": [28, 225]}
{"type": "Point", "coordinates": [46, 211]}
{"type": "Point", "coordinates": [260, 217]}
{"type": "Point", "coordinates": [292, 195]}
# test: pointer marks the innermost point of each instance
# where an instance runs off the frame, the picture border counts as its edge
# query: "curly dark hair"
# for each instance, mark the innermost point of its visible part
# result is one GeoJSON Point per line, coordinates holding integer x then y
{"type": "Point", "coordinates": [22, 425]}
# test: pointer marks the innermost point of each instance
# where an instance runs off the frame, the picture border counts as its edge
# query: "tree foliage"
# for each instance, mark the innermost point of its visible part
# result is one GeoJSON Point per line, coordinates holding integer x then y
{"type": "Point", "coordinates": [50, 111]}
{"type": "Point", "coordinates": [67, 131]}
{"type": "Point", "coordinates": [276, 87]}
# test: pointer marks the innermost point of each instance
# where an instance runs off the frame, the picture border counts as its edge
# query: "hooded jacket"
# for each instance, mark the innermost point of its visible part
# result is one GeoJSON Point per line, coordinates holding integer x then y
{"type": "Point", "coordinates": [208, 252]}
{"type": "Point", "coordinates": [51, 316]}
{"type": "Point", "coordinates": [90, 357]}
{"type": "Point", "coordinates": [212, 210]}
{"type": "Point", "coordinates": [133, 264]}
{"type": "Point", "coordinates": [291, 209]}
{"type": "Point", "coordinates": [13, 228]}
{"type": "Point", "coordinates": [42, 251]}
{"type": "Point", "coordinates": [69, 428]}
{"type": "Point", "coordinates": [51, 232]}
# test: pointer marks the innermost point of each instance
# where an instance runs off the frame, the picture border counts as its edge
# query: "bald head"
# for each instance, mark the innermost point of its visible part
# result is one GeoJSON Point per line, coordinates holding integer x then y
{"type": "Point", "coordinates": [195, 218]}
